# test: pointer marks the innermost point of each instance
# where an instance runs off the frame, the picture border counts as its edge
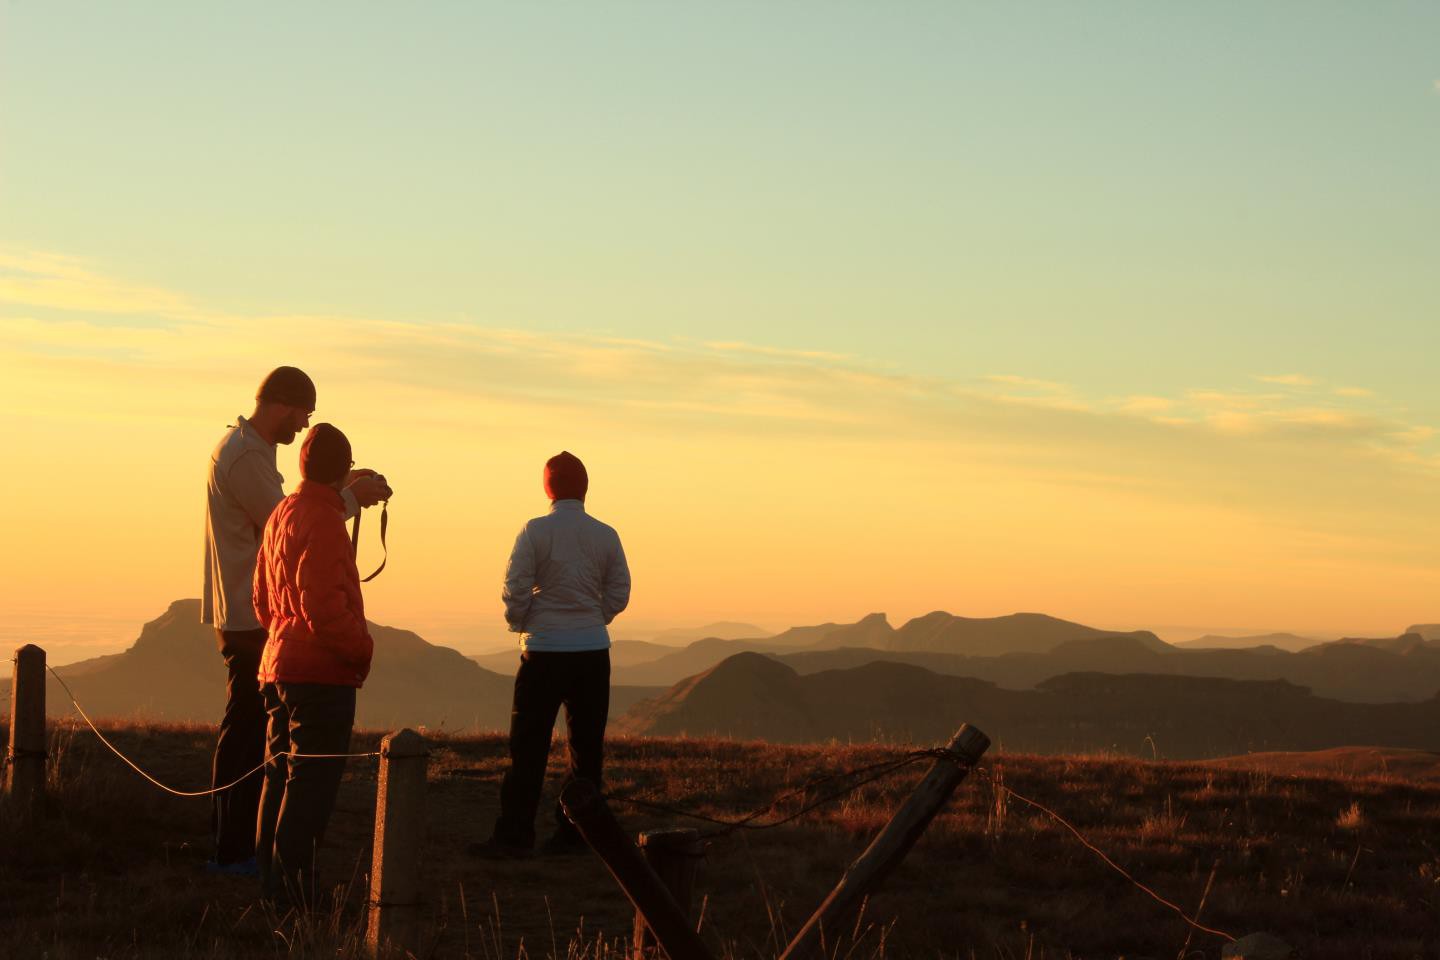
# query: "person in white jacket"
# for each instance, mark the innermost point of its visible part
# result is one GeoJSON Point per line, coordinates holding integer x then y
{"type": "Point", "coordinates": [566, 580]}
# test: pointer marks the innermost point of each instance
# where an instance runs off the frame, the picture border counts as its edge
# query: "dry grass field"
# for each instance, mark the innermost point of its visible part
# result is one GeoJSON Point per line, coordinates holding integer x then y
{"type": "Point", "coordinates": [1344, 865]}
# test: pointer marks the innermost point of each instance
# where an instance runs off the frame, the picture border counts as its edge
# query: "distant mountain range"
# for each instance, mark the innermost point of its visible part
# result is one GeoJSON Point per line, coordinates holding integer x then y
{"type": "Point", "coordinates": [910, 681]}
{"type": "Point", "coordinates": [1289, 642]}
{"type": "Point", "coordinates": [942, 632]}
{"type": "Point", "coordinates": [1405, 643]}
{"type": "Point", "coordinates": [1404, 668]}
{"type": "Point", "coordinates": [752, 696]}
{"type": "Point", "coordinates": [173, 672]}
{"type": "Point", "coordinates": [623, 653]}
{"type": "Point", "coordinates": [938, 633]}
{"type": "Point", "coordinates": [724, 629]}
{"type": "Point", "coordinates": [1358, 672]}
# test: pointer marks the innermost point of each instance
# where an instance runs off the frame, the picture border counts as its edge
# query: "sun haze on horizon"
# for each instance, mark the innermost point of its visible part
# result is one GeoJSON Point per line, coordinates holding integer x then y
{"type": "Point", "coordinates": [1122, 316]}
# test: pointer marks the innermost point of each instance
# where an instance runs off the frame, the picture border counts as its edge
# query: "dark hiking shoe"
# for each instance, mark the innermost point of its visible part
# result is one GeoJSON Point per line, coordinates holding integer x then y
{"type": "Point", "coordinates": [564, 845]}
{"type": "Point", "coordinates": [494, 849]}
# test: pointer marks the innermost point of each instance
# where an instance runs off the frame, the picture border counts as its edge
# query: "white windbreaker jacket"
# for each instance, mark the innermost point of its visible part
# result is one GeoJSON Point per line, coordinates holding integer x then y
{"type": "Point", "coordinates": [566, 580]}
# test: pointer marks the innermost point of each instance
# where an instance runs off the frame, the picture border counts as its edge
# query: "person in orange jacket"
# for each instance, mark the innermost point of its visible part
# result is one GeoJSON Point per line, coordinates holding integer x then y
{"type": "Point", "coordinates": [317, 654]}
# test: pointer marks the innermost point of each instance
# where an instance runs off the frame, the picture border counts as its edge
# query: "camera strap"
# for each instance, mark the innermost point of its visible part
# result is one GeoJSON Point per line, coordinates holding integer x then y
{"type": "Point", "coordinates": [355, 539]}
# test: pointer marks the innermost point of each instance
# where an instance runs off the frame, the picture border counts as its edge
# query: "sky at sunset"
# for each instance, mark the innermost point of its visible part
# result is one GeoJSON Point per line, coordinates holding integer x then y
{"type": "Point", "coordinates": [1123, 312]}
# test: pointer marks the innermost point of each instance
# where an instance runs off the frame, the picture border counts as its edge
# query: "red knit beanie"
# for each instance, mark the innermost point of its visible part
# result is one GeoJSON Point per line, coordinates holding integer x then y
{"type": "Point", "coordinates": [325, 454]}
{"type": "Point", "coordinates": [565, 477]}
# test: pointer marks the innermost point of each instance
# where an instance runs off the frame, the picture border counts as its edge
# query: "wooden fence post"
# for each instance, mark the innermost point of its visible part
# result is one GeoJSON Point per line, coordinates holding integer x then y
{"type": "Point", "coordinates": [399, 834]}
{"type": "Point", "coordinates": [25, 780]}
{"type": "Point", "coordinates": [674, 856]}
{"type": "Point", "coordinates": [587, 809]}
{"type": "Point", "coordinates": [889, 846]}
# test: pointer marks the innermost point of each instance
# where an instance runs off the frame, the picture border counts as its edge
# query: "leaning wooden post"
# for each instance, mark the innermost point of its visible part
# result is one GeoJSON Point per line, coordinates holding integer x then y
{"type": "Point", "coordinates": [399, 834]}
{"type": "Point", "coordinates": [25, 784]}
{"type": "Point", "coordinates": [587, 809]}
{"type": "Point", "coordinates": [674, 856]}
{"type": "Point", "coordinates": [890, 846]}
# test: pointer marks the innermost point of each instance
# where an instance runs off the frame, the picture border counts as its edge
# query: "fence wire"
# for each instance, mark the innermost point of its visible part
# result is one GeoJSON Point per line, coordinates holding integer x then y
{"type": "Point", "coordinates": [879, 771]}
{"type": "Point", "coordinates": [194, 793]}
{"type": "Point", "coordinates": [871, 773]}
{"type": "Point", "coordinates": [868, 774]}
{"type": "Point", "coordinates": [1104, 858]}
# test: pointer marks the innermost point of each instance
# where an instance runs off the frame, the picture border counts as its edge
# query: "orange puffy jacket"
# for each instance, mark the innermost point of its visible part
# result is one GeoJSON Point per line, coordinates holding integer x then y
{"type": "Point", "coordinates": [307, 594]}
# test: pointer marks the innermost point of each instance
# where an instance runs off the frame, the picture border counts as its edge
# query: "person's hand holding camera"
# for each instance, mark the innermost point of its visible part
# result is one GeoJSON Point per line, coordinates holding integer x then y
{"type": "Point", "coordinates": [368, 487]}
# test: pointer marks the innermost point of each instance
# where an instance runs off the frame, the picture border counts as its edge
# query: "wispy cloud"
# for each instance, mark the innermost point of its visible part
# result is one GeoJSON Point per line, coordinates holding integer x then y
{"type": "Point", "coordinates": [1145, 405]}
{"type": "Point", "coordinates": [58, 282]}
{"type": "Point", "coordinates": [1287, 379]}
{"type": "Point", "coordinates": [1047, 386]}
{"type": "Point", "coordinates": [732, 346]}
{"type": "Point", "coordinates": [1168, 473]}
{"type": "Point", "coordinates": [1034, 392]}
{"type": "Point", "coordinates": [464, 372]}
{"type": "Point", "coordinates": [676, 379]}
{"type": "Point", "coordinates": [1210, 399]}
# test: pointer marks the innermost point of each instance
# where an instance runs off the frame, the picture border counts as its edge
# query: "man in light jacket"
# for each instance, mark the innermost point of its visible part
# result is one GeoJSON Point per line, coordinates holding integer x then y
{"type": "Point", "coordinates": [567, 579]}
{"type": "Point", "coordinates": [317, 654]}
{"type": "Point", "coordinates": [242, 489]}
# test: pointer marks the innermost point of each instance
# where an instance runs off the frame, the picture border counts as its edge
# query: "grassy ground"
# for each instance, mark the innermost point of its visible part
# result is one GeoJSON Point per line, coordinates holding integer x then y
{"type": "Point", "coordinates": [1345, 866]}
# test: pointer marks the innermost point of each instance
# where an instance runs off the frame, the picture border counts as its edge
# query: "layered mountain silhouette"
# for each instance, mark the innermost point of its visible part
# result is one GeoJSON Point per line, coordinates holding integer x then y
{"type": "Point", "coordinates": [942, 632]}
{"type": "Point", "coordinates": [891, 683]}
{"type": "Point", "coordinates": [751, 695]}
{"type": "Point", "coordinates": [938, 632]}
{"type": "Point", "coordinates": [1345, 671]}
{"type": "Point", "coordinates": [623, 653]}
{"type": "Point", "coordinates": [1405, 643]}
{"type": "Point", "coordinates": [1036, 647]}
{"type": "Point", "coordinates": [174, 673]}
{"type": "Point", "coordinates": [1289, 642]}
{"type": "Point", "coordinates": [724, 629]}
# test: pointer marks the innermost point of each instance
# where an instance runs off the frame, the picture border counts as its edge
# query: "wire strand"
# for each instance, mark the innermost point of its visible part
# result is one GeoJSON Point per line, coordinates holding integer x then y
{"type": "Point", "coordinates": [193, 793]}
{"type": "Point", "coordinates": [1103, 856]}
{"type": "Point", "coordinates": [878, 771]}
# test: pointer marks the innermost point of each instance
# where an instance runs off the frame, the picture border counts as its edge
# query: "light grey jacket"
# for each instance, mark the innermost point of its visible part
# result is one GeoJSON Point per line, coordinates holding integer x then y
{"type": "Point", "coordinates": [567, 574]}
{"type": "Point", "coordinates": [243, 488]}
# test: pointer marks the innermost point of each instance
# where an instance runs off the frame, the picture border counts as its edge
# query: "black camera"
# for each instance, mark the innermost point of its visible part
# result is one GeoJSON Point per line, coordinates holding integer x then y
{"type": "Point", "coordinates": [386, 492]}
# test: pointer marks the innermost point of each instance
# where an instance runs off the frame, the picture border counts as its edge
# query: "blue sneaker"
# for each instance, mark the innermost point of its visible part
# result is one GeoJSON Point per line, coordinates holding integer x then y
{"type": "Point", "coordinates": [240, 868]}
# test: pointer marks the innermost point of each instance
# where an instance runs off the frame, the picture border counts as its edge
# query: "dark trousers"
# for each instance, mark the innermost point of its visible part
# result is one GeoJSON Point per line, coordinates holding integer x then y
{"type": "Point", "coordinates": [240, 747]}
{"type": "Point", "coordinates": [299, 792]}
{"type": "Point", "coordinates": [546, 681]}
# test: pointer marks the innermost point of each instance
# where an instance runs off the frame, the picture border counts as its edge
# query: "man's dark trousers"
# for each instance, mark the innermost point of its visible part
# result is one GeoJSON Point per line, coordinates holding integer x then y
{"type": "Point", "coordinates": [299, 792]}
{"type": "Point", "coordinates": [240, 748]}
{"type": "Point", "coordinates": [580, 682]}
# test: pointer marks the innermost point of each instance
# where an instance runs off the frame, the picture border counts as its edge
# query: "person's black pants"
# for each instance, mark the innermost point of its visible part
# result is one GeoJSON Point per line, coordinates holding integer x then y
{"type": "Point", "coordinates": [299, 792]}
{"type": "Point", "coordinates": [546, 681]}
{"type": "Point", "coordinates": [240, 747]}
